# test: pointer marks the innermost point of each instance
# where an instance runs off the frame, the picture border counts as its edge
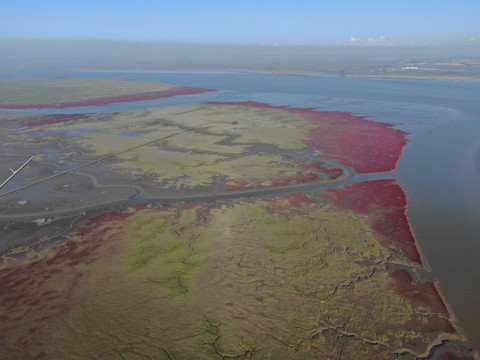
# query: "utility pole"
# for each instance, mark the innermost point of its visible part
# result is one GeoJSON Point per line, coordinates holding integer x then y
{"type": "Point", "coordinates": [15, 172]}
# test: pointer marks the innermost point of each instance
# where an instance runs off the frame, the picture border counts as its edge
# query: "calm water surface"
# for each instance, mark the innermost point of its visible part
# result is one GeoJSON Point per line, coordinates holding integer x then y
{"type": "Point", "coordinates": [439, 169]}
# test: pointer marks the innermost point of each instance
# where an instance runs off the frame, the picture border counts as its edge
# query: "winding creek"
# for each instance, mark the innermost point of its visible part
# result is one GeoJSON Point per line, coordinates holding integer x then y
{"type": "Point", "coordinates": [438, 169]}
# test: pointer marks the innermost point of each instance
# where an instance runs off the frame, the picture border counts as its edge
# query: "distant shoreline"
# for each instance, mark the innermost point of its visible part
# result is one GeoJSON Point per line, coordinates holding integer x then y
{"type": "Point", "coordinates": [467, 76]}
{"type": "Point", "coordinates": [417, 77]}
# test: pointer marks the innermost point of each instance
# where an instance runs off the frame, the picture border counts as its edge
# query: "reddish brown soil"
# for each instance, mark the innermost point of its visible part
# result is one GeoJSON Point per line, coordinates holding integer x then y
{"type": "Point", "coordinates": [192, 205]}
{"type": "Point", "coordinates": [298, 199]}
{"type": "Point", "coordinates": [321, 167]}
{"type": "Point", "coordinates": [298, 178]}
{"type": "Point", "coordinates": [450, 356]}
{"type": "Point", "coordinates": [429, 325]}
{"type": "Point", "coordinates": [140, 206]}
{"type": "Point", "coordinates": [394, 225]}
{"type": "Point", "coordinates": [251, 200]}
{"type": "Point", "coordinates": [43, 289]}
{"type": "Point", "coordinates": [180, 90]}
{"type": "Point", "coordinates": [354, 141]}
{"type": "Point", "coordinates": [302, 177]}
{"type": "Point", "coordinates": [55, 119]}
{"type": "Point", "coordinates": [385, 203]}
{"type": "Point", "coordinates": [293, 201]}
{"type": "Point", "coordinates": [240, 185]}
{"type": "Point", "coordinates": [425, 294]}
{"type": "Point", "coordinates": [93, 224]}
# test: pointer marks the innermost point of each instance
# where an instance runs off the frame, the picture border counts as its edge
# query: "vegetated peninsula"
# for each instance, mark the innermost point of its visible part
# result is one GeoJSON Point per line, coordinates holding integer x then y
{"type": "Point", "coordinates": [65, 93]}
{"type": "Point", "coordinates": [212, 230]}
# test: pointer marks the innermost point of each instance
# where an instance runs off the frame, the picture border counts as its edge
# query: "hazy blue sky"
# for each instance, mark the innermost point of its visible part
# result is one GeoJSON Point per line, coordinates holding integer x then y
{"type": "Point", "coordinates": [247, 21]}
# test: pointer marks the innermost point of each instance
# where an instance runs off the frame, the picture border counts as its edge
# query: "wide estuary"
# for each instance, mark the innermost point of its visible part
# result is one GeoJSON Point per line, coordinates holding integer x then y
{"type": "Point", "coordinates": [439, 169]}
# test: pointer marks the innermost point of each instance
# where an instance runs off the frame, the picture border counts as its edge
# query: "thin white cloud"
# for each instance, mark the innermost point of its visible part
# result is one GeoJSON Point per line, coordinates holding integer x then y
{"type": "Point", "coordinates": [353, 40]}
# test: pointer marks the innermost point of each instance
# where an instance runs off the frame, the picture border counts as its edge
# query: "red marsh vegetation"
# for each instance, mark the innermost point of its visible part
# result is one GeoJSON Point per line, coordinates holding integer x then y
{"type": "Point", "coordinates": [36, 293]}
{"type": "Point", "coordinates": [192, 205]}
{"type": "Point", "coordinates": [287, 202]}
{"type": "Point", "coordinates": [385, 204]}
{"type": "Point", "coordinates": [419, 293]}
{"type": "Point", "coordinates": [55, 119]}
{"type": "Point", "coordinates": [450, 356]}
{"type": "Point", "coordinates": [366, 146]}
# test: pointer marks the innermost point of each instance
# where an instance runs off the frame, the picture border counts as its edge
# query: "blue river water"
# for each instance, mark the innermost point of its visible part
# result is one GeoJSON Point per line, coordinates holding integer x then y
{"type": "Point", "coordinates": [439, 169]}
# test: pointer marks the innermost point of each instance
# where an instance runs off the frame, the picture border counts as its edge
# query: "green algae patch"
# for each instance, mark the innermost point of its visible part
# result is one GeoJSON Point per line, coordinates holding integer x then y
{"type": "Point", "coordinates": [165, 255]}
{"type": "Point", "coordinates": [248, 125]}
{"type": "Point", "coordinates": [203, 142]}
{"type": "Point", "coordinates": [175, 168]}
{"type": "Point", "coordinates": [249, 170]}
{"type": "Point", "coordinates": [268, 126]}
{"type": "Point", "coordinates": [283, 137]}
{"type": "Point", "coordinates": [187, 146]}
{"type": "Point", "coordinates": [278, 278]}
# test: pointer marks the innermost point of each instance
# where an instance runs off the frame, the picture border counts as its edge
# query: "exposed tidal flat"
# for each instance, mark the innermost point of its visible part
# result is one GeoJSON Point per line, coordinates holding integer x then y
{"type": "Point", "coordinates": [285, 235]}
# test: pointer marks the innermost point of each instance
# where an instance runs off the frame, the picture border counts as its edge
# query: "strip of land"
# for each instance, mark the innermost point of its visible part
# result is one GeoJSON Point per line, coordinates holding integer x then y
{"type": "Point", "coordinates": [66, 93]}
